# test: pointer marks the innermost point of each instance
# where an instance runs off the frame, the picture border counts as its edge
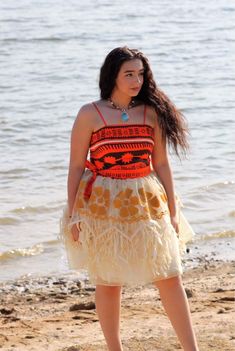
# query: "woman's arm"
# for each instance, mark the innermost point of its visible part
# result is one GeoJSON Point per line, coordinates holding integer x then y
{"type": "Point", "coordinates": [79, 147]}
{"type": "Point", "coordinates": [161, 164]}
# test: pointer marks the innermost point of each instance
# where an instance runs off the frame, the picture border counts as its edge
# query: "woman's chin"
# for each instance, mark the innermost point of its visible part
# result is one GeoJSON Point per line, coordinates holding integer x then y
{"type": "Point", "coordinates": [134, 93]}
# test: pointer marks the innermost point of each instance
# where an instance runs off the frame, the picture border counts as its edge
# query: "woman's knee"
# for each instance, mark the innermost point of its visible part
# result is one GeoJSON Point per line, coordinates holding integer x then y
{"type": "Point", "coordinates": [169, 282]}
{"type": "Point", "coordinates": [108, 289]}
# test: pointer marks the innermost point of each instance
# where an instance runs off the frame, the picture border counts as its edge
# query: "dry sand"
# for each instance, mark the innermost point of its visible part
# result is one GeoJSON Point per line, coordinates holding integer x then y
{"type": "Point", "coordinates": [55, 314]}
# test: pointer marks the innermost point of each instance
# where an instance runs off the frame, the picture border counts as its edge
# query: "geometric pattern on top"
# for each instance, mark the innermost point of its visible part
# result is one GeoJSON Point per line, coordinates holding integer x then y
{"type": "Point", "coordinates": [116, 147]}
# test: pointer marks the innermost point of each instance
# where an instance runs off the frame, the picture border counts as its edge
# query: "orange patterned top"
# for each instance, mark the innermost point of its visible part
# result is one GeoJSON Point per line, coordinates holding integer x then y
{"type": "Point", "coordinates": [120, 151]}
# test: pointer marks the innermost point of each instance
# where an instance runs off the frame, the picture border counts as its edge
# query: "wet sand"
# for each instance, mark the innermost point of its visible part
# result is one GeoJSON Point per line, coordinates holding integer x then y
{"type": "Point", "coordinates": [58, 314]}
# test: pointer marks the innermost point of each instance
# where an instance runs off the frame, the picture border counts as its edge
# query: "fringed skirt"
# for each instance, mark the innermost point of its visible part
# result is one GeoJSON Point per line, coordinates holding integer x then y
{"type": "Point", "coordinates": [126, 236]}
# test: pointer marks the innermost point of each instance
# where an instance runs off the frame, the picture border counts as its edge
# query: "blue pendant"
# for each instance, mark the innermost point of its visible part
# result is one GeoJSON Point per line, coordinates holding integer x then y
{"type": "Point", "coordinates": [125, 116]}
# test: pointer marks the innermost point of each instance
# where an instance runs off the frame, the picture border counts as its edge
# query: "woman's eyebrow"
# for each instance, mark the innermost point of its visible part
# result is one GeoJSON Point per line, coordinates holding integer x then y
{"type": "Point", "coordinates": [128, 71]}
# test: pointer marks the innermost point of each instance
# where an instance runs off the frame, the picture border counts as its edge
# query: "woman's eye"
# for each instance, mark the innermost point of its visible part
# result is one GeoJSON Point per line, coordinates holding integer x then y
{"type": "Point", "coordinates": [130, 74]}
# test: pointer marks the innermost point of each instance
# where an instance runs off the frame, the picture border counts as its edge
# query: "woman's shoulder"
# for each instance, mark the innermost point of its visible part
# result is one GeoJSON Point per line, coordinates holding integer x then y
{"type": "Point", "coordinates": [86, 115]}
{"type": "Point", "coordinates": [151, 109]}
{"type": "Point", "coordinates": [89, 108]}
{"type": "Point", "coordinates": [151, 115]}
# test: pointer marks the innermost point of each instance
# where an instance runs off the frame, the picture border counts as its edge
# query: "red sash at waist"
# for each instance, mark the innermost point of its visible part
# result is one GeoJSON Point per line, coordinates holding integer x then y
{"type": "Point", "coordinates": [115, 173]}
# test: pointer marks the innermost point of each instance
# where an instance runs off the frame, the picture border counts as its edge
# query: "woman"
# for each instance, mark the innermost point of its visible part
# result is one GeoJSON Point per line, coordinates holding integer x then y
{"type": "Point", "coordinates": [123, 221]}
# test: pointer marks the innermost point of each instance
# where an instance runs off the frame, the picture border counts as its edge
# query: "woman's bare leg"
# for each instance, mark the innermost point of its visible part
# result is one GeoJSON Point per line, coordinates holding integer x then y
{"type": "Point", "coordinates": [175, 302]}
{"type": "Point", "coordinates": [108, 306]}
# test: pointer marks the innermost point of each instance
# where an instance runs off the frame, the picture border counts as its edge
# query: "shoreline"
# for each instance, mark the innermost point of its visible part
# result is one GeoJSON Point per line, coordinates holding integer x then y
{"type": "Point", "coordinates": [40, 265]}
{"type": "Point", "coordinates": [57, 313]}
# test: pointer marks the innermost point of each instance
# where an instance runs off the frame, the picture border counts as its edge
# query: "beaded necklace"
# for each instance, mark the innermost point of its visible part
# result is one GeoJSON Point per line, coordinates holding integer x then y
{"type": "Point", "coordinates": [125, 117]}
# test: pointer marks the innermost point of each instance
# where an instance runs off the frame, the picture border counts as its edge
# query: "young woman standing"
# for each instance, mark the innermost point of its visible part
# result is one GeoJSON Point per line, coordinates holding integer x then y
{"type": "Point", "coordinates": [123, 221]}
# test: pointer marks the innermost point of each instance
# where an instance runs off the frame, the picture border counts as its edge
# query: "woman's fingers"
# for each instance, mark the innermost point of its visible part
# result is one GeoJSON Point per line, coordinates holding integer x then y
{"type": "Point", "coordinates": [75, 232]}
{"type": "Point", "coordinates": [175, 224]}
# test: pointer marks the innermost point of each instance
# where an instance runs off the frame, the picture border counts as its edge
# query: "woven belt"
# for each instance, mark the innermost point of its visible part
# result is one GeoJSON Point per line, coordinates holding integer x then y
{"type": "Point", "coordinates": [115, 173]}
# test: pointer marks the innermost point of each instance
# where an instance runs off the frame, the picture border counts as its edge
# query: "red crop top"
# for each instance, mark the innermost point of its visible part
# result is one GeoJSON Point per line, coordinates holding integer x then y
{"type": "Point", "coordinates": [120, 151]}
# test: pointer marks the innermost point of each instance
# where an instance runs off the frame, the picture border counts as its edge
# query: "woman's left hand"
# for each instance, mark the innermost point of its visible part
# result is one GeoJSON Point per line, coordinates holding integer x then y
{"type": "Point", "coordinates": [175, 223]}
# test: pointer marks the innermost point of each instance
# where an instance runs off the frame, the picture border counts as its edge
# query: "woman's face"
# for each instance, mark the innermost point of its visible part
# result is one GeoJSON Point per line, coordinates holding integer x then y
{"type": "Point", "coordinates": [130, 77]}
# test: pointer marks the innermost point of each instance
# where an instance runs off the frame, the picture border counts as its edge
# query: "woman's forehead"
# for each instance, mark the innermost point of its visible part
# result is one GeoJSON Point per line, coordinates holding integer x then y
{"type": "Point", "coordinates": [132, 65]}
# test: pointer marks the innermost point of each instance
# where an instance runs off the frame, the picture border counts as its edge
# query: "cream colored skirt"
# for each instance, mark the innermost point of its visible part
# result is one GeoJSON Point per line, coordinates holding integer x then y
{"type": "Point", "coordinates": [126, 236]}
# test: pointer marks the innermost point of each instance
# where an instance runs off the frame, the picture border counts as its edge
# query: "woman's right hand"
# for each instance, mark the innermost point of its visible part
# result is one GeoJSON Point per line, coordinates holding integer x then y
{"type": "Point", "coordinates": [75, 232]}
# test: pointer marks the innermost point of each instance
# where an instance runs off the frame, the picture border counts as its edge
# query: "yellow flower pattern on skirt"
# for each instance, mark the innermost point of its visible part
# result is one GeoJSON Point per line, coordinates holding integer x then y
{"type": "Point", "coordinates": [79, 201]}
{"type": "Point", "coordinates": [127, 204]}
{"type": "Point", "coordinates": [130, 206]}
{"type": "Point", "coordinates": [99, 201]}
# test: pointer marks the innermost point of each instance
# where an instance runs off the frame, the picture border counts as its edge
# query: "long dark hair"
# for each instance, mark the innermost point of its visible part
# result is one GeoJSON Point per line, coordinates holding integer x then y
{"type": "Point", "coordinates": [171, 120]}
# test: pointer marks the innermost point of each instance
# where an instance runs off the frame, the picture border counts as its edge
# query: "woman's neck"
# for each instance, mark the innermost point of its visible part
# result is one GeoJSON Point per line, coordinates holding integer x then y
{"type": "Point", "coordinates": [121, 100]}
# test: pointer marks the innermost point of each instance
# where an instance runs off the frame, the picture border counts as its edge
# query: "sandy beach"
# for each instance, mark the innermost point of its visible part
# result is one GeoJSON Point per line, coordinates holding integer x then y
{"type": "Point", "coordinates": [54, 313]}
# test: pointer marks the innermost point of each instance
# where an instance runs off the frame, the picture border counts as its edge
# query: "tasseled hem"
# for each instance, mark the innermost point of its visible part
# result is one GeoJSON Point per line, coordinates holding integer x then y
{"type": "Point", "coordinates": [131, 254]}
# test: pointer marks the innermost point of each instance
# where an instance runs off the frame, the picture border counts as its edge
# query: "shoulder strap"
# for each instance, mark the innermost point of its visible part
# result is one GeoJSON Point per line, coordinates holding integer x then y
{"type": "Point", "coordinates": [145, 109]}
{"type": "Point", "coordinates": [99, 113]}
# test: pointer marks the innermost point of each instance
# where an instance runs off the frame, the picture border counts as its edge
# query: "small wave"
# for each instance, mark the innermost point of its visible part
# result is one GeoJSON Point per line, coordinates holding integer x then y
{"type": "Point", "coordinates": [13, 20]}
{"type": "Point", "coordinates": [228, 9]}
{"type": "Point", "coordinates": [34, 209]}
{"type": "Point", "coordinates": [219, 235]}
{"type": "Point", "coordinates": [15, 171]}
{"type": "Point", "coordinates": [51, 39]}
{"type": "Point", "coordinates": [51, 242]}
{"type": "Point", "coordinates": [30, 251]}
{"type": "Point", "coordinates": [8, 221]}
{"type": "Point", "coordinates": [42, 39]}
{"type": "Point", "coordinates": [60, 168]}
{"type": "Point", "coordinates": [219, 185]}
{"type": "Point", "coordinates": [224, 184]}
